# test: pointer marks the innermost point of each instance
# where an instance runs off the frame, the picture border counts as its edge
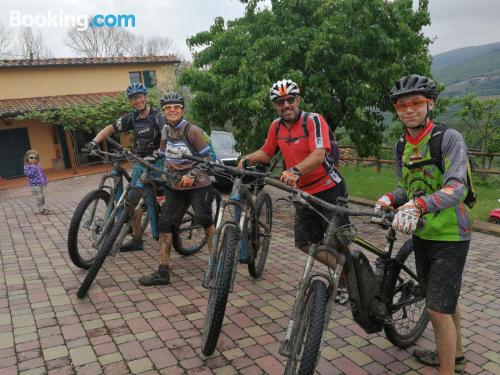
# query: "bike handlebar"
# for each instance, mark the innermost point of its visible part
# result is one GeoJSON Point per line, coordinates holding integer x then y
{"type": "Point", "coordinates": [336, 209]}
{"type": "Point", "coordinates": [233, 170]}
{"type": "Point", "coordinates": [136, 158]}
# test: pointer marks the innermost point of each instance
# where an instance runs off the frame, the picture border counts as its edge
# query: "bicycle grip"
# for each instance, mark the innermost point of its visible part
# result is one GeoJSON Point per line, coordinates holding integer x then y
{"type": "Point", "coordinates": [279, 185]}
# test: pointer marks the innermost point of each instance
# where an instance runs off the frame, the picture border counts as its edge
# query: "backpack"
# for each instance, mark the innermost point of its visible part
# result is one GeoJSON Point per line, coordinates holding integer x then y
{"type": "Point", "coordinates": [435, 143]}
{"type": "Point", "coordinates": [191, 147]}
{"type": "Point", "coordinates": [332, 157]}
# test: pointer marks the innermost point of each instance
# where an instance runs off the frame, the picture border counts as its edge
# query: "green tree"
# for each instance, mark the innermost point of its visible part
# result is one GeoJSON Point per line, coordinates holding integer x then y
{"type": "Point", "coordinates": [345, 55]}
{"type": "Point", "coordinates": [480, 119]}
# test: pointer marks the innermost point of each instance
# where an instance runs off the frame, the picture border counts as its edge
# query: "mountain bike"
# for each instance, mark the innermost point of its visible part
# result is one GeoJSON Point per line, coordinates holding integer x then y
{"type": "Point", "coordinates": [122, 215]}
{"type": "Point", "coordinates": [243, 235]}
{"type": "Point", "coordinates": [388, 298]}
{"type": "Point", "coordinates": [96, 212]}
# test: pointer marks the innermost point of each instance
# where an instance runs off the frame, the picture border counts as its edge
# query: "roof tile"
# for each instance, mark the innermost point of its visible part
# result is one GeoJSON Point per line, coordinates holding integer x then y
{"type": "Point", "coordinates": [14, 107]}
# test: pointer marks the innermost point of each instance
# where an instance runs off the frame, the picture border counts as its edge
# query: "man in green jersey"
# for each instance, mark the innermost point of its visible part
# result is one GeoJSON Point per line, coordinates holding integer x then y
{"type": "Point", "coordinates": [436, 193]}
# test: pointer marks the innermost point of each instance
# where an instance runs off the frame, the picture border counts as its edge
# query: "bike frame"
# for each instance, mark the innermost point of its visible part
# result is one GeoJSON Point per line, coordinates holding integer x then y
{"type": "Point", "coordinates": [343, 258]}
{"type": "Point", "coordinates": [242, 201]}
{"type": "Point", "coordinates": [119, 194]}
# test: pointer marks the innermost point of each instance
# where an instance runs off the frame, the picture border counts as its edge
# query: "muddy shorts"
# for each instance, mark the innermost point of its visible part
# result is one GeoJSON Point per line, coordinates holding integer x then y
{"type": "Point", "coordinates": [440, 265]}
{"type": "Point", "coordinates": [178, 201]}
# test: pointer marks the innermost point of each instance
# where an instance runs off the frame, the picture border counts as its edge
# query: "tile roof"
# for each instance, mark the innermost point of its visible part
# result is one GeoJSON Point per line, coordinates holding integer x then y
{"type": "Point", "coordinates": [88, 61]}
{"type": "Point", "coordinates": [14, 107]}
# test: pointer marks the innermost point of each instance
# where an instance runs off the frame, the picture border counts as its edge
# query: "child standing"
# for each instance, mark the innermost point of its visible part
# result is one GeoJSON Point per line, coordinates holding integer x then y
{"type": "Point", "coordinates": [37, 179]}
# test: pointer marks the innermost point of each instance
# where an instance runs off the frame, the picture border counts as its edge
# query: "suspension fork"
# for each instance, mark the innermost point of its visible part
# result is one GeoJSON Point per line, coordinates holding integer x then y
{"type": "Point", "coordinates": [113, 189]}
{"type": "Point", "coordinates": [109, 220]}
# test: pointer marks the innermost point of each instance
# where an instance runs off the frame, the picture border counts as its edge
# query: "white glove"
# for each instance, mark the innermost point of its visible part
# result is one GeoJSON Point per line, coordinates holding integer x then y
{"type": "Point", "coordinates": [406, 219]}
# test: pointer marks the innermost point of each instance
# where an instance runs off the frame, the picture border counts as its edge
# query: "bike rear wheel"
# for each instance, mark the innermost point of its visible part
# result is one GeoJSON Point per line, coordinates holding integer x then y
{"type": "Point", "coordinates": [190, 237]}
{"type": "Point", "coordinates": [122, 220]}
{"type": "Point", "coordinates": [409, 321]}
{"type": "Point", "coordinates": [260, 232]}
{"type": "Point", "coordinates": [307, 342]}
{"type": "Point", "coordinates": [217, 299]}
{"type": "Point", "coordinates": [83, 232]}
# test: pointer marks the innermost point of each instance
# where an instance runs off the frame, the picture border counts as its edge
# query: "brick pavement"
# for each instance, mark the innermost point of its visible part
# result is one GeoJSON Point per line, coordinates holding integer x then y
{"type": "Point", "coordinates": [124, 328]}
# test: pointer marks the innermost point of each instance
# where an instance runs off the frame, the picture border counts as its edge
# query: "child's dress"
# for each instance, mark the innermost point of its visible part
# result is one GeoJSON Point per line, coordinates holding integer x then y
{"type": "Point", "coordinates": [37, 183]}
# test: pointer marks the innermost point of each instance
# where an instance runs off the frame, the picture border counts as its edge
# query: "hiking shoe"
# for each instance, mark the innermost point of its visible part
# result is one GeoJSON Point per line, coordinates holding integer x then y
{"type": "Point", "coordinates": [155, 279]}
{"type": "Point", "coordinates": [132, 245]}
{"type": "Point", "coordinates": [431, 358]}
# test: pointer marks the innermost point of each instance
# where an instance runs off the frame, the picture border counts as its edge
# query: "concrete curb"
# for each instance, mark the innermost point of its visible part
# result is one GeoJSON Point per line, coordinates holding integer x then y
{"type": "Point", "coordinates": [478, 226]}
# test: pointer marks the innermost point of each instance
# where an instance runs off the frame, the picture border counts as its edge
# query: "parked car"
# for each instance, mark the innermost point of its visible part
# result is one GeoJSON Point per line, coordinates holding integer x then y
{"type": "Point", "coordinates": [223, 145]}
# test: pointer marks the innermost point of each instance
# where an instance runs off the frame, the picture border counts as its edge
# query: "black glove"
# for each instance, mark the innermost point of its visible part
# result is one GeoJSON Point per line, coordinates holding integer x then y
{"type": "Point", "coordinates": [92, 147]}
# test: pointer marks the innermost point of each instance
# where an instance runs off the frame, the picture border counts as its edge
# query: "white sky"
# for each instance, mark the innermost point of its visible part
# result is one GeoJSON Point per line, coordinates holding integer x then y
{"type": "Point", "coordinates": [455, 23]}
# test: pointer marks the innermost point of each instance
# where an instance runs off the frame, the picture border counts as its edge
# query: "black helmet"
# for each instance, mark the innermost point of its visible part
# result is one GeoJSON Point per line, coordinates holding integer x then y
{"type": "Point", "coordinates": [414, 84]}
{"type": "Point", "coordinates": [171, 97]}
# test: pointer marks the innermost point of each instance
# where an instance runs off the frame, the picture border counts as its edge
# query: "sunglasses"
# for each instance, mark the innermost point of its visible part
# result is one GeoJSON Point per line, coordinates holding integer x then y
{"type": "Point", "coordinates": [412, 104]}
{"type": "Point", "coordinates": [33, 157]}
{"type": "Point", "coordinates": [173, 107]}
{"type": "Point", "coordinates": [281, 101]}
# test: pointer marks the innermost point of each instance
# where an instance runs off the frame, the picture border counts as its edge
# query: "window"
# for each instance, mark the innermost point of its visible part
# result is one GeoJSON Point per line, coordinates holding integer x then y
{"type": "Point", "coordinates": [148, 77]}
{"type": "Point", "coordinates": [135, 77]}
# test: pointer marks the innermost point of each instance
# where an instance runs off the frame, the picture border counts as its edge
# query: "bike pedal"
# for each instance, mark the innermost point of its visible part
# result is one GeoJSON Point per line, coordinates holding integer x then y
{"type": "Point", "coordinates": [341, 297]}
{"type": "Point", "coordinates": [388, 322]}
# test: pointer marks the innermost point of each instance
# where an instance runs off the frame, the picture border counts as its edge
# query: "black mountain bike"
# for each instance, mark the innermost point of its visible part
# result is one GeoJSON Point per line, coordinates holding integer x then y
{"type": "Point", "coordinates": [387, 299]}
{"type": "Point", "coordinates": [243, 235]}
{"type": "Point", "coordinates": [132, 199]}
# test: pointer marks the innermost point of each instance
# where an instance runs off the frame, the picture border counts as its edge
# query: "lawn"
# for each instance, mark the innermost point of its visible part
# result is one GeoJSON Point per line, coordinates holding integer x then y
{"type": "Point", "coordinates": [365, 182]}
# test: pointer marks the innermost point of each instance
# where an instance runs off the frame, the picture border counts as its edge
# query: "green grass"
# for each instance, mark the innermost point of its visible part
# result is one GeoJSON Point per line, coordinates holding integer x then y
{"type": "Point", "coordinates": [365, 182]}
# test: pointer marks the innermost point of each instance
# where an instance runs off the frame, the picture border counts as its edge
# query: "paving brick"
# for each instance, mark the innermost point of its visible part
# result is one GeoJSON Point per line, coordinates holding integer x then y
{"type": "Point", "coordinates": [140, 365]}
{"type": "Point", "coordinates": [43, 325]}
{"type": "Point", "coordinates": [162, 358]}
{"type": "Point", "coordinates": [82, 355]}
{"type": "Point", "coordinates": [55, 352]}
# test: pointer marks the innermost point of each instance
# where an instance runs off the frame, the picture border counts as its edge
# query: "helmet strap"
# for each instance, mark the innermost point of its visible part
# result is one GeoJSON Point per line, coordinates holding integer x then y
{"type": "Point", "coordinates": [145, 111]}
{"type": "Point", "coordinates": [423, 124]}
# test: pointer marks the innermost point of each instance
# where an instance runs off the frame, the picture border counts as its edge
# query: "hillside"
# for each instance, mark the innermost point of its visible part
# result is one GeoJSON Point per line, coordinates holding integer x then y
{"type": "Point", "coordinates": [470, 69]}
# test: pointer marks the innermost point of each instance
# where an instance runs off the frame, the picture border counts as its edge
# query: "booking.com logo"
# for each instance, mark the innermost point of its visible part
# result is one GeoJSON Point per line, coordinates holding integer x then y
{"type": "Point", "coordinates": [80, 21]}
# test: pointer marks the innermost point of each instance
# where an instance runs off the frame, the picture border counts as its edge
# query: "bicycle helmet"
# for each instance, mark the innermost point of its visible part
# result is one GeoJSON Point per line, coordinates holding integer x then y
{"type": "Point", "coordinates": [171, 97]}
{"type": "Point", "coordinates": [414, 84]}
{"type": "Point", "coordinates": [136, 88]}
{"type": "Point", "coordinates": [283, 88]}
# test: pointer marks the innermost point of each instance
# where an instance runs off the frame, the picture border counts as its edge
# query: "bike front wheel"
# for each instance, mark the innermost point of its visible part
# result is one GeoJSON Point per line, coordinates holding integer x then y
{"type": "Point", "coordinates": [306, 344]}
{"type": "Point", "coordinates": [217, 300]}
{"type": "Point", "coordinates": [260, 232]}
{"type": "Point", "coordinates": [190, 237]}
{"type": "Point", "coordinates": [104, 251]}
{"type": "Point", "coordinates": [408, 307]}
{"type": "Point", "coordinates": [86, 226]}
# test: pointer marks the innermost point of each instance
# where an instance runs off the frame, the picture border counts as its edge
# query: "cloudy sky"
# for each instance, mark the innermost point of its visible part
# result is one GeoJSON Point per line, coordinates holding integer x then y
{"type": "Point", "coordinates": [455, 23]}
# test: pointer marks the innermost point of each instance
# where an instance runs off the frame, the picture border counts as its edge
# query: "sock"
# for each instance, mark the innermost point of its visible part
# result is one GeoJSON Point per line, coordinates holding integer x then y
{"type": "Point", "coordinates": [137, 238]}
{"type": "Point", "coordinates": [163, 269]}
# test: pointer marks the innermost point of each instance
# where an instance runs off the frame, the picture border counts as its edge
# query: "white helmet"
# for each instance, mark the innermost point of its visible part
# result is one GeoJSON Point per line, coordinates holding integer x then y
{"type": "Point", "coordinates": [283, 88]}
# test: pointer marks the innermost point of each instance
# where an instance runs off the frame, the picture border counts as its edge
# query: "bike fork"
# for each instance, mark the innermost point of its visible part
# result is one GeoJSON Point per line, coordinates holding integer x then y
{"type": "Point", "coordinates": [97, 243]}
{"type": "Point", "coordinates": [298, 308]}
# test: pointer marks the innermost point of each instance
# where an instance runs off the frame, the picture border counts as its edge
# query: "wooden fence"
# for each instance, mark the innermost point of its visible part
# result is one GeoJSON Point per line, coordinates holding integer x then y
{"type": "Point", "coordinates": [349, 156]}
